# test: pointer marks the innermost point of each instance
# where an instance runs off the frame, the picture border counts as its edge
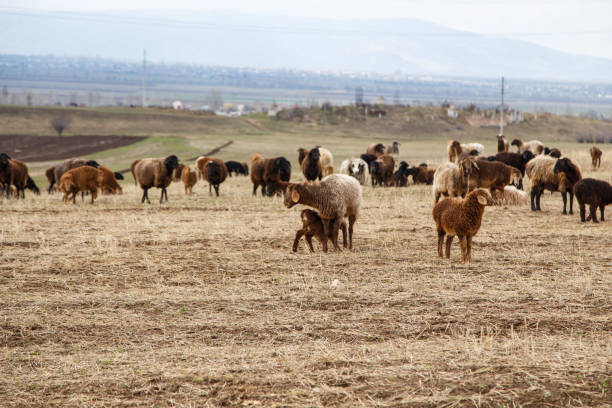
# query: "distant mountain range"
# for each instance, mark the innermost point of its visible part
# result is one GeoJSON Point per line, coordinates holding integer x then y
{"type": "Point", "coordinates": [386, 46]}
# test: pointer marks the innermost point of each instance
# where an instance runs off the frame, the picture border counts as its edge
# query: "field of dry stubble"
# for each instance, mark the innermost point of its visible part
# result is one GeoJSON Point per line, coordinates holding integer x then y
{"type": "Point", "coordinates": [200, 302]}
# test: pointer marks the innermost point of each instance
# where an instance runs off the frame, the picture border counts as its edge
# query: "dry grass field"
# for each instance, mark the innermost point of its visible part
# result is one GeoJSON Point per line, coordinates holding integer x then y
{"type": "Point", "coordinates": [201, 303]}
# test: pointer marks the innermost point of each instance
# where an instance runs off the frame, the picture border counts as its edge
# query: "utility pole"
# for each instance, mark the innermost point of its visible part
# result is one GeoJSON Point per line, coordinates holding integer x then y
{"type": "Point", "coordinates": [501, 120]}
{"type": "Point", "coordinates": [144, 78]}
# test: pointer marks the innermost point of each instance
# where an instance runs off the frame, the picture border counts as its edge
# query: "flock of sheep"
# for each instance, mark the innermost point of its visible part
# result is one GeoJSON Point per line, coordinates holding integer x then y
{"type": "Point", "coordinates": [469, 181]}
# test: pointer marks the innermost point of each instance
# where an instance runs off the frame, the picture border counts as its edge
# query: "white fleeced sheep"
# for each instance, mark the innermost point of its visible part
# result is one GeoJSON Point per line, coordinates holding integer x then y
{"type": "Point", "coordinates": [356, 168]}
{"type": "Point", "coordinates": [448, 181]}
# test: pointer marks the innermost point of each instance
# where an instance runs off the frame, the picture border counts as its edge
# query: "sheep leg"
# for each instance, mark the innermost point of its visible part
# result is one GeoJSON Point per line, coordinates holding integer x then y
{"type": "Point", "coordinates": [309, 241]}
{"type": "Point", "coordinates": [469, 248]}
{"type": "Point", "coordinates": [344, 243]}
{"type": "Point", "coordinates": [145, 195]}
{"type": "Point", "coordinates": [449, 241]}
{"type": "Point", "coordinates": [335, 224]}
{"type": "Point", "coordinates": [441, 235]}
{"type": "Point", "coordinates": [564, 195]}
{"type": "Point", "coordinates": [601, 210]}
{"type": "Point", "coordinates": [296, 241]}
{"type": "Point", "coordinates": [593, 212]}
{"type": "Point", "coordinates": [352, 219]}
{"type": "Point", "coordinates": [74, 193]}
{"type": "Point", "coordinates": [255, 188]}
{"type": "Point", "coordinates": [571, 202]}
{"type": "Point", "coordinates": [437, 197]}
{"type": "Point", "coordinates": [161, 198]}
{"type": "Point", "coordinates": [534, 192]}
{"type": "Point", "coordinates": [463, 245]}
{"type": "Point", "coordinates": [520, 184]}
{"type": "Point", "coordinates": [216, 189]}
{"type": "Point", "coordinates": [50, 187]}
{"type": "Point", "coordinates": [326, 233]}
{"type": "Point", "coordinates": [94, 194]}
{"type": "Point", "coordinates": [582, 212]}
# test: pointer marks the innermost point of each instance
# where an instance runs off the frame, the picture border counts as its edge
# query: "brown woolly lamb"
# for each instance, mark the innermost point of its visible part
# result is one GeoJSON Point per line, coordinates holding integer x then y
{"type": "Point", "coordinates": [189, 176]}
{"type": "Point", "coordinates": [109, 184]}
{"type": "Point", "coordinates": [493, 175]}
{"type": "Point", "coordinates": [214, 171]}
{"type": "Point", "coordinates": [502, 144]}
{"type": "Point", "coordinates": [312, 226]}
{"type": "Point", "coordinates": [535, 146]}
{"type": "Point", "coordinates": [382, 170]}
{"type": "Point", "coordinates": [336, 197]}
{"type": "Point", "coordinates": [547, 173]}
{"type": "Point", "coordinates": [150, 173]}
{"type": "Point", "coordinates": [81, 179]}
{"type": "Point", "coordinates": [461, 217]}
{"type": "Point", "coordinates": [595, 193]}
{"type": "Point", "coordinates": [595, 156]}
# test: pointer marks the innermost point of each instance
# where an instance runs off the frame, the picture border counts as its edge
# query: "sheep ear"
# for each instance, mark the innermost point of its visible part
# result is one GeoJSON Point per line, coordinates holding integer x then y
{"type": "Point", "coordinates": [482, 200]}
{"type": "Point", "coordinates": [295, 196]}
{"type": "Point", "coordinates": [475, 165]}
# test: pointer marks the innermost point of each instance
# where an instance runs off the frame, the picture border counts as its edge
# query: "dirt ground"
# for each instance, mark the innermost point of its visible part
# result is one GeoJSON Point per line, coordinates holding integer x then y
{"type": "Point", "coordinates": [43, 148]}
{"type": "Point", "coordinates": [200, 302]}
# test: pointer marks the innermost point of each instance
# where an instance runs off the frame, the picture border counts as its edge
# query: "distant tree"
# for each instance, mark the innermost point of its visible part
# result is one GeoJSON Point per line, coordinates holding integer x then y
{"type": "Point", "coordinates": [358, 96]}
{"type": "Point", "coordinates": [61, 122]}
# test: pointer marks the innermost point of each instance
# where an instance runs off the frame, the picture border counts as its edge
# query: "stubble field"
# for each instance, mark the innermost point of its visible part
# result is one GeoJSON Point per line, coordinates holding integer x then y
{"type": "Point", "coordinates": [200, 302]}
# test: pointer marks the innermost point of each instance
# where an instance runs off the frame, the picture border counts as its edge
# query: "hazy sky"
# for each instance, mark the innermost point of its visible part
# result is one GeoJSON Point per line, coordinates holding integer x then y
{"type": "Point", "coordinates": [581, 27]}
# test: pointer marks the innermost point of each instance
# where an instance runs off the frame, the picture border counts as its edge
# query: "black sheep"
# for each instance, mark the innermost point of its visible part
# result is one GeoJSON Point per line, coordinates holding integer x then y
{"type": "Point", "coordinates": [595, 193]}
{"type": "Point", "coordinates": [236, 167]}
{"type": "Point", "coordinates": [400, 177]}
{"type": "Point", "coordinates": [516, 160]}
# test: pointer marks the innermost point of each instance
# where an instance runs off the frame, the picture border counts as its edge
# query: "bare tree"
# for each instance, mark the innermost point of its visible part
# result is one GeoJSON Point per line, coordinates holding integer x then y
{"type": "Point", "coordinates": [61, 122]}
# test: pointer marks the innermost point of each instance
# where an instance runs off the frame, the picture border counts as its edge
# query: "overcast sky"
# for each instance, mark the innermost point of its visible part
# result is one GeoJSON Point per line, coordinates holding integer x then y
{"type": "Point", "coordinates": [580, 27]}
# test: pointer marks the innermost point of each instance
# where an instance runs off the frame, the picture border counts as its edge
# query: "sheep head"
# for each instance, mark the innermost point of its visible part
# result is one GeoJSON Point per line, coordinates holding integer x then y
{"type": "Point", "coordinates": [92, 163]}
{"type": "Point", "coordinates": [380, 148]}
{"type": "Point", "coordinates": [468, 166]}
{"type": "Point", "coordinates": [482, 196]}
{"type": "Point", "coordinates": [171, 163]}
{"type": "Point", "coordinates": [515, 176]}
{"type": "Point", "coordinates": [118, 175]}
{"type": "Point", "coordinates": [527, 155]}
{"type": "Point", "coordinates": [314, 154]}
{"type": "Point", "coordinates": [517, 142]}
{"type": "Point", "coordinates": [291, 195]}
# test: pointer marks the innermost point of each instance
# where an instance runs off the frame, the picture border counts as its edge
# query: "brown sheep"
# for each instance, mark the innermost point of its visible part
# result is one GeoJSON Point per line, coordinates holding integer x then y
{"type": "Point", "coordinates": [493, 175]}
{"type": "Point", "coordinates": [311, 165]}
{"type": "Point", "coordinates": [14, 172]}
{"type": "Point", "coordinates": [422, 174]}
{"type": "Point", "coordinates": [502, 144]}
{"type": "Point", "coordinates": [595, 156]}
{"type": "Point", "coordinates": [461, 217]}
{"type": "Point", "coordinates": [189, 176]}
{"type": "Point", "coordinates": [80, 179]}
{"type": "Point", "coordinates": [214, 171]}
{"type": "Point", "coordinates": [70, 164]}
{"type": "Point", "coordinates": [257, 171]}
{"type": "Point", "coordinates": [150, 173]}
{"type": "Point", "coordinates": [109, 183]}
{"type": "Point", "coordinates": [382, 170]}
{"type": "Point", "coordinates": [595, 193]}
{"type": "Point", "coordinates": [312, 226]}
{"type": "Point", "coordinates": [50, 174]}
{"type": "Point", "coordinates": [276, 170]}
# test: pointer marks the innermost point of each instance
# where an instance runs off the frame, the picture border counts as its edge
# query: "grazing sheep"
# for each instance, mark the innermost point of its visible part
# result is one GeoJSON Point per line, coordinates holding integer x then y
{"type": "Point", "coordinates": [510, 195]}
{"type": "Point", "coordinates": [13, 172]}
{"type": "Point", "coordinates": [448, 181]}
{"type": "Point", "coordinates": [422, 174]}
{"type": "Point", "coordinates": [554, 152]}
{"type": "Point", "coordinates": [70, 164]}
{"type": "Point", "coordinates": [109, 184]}
{"type": "Point", "coordinates": [80, 179]}
{"type": "Point", "coordinates": [336, 197]}
{"type": "Point", "coordinates": [189, 176]}
{"type": "Point", "coordinates": [311, 165]}
{"type": "Point", "coordinates": [237, 168]}
{"type": "Point", "coordinates": [455, 148]}
{"type": "Point", "coordinates": [276, 170]}
{"type": "Point", "coordinates": [535, 146]}
{"type": "Point", "coordinates": [516, 160]}
{"type": "Point", "coordinates": [400, 177]}
{"type": "Point", "coordinates": [382, 170]}
{"type": "Point", "coordinates": [595, 156]}
{"type": "Point", "coordinates": [215, 173]}
{"type": "Point", "coordinates": [547, 173]}
{"type": "Point", "coordinates": [176, 174]}
{"type": "Point", "coordinates": [257, 172]}
{"type": "Point", "coordinates": [356, 168]}
{"type": "Point", "coordinates": [31, 185]}
{"type": "Point", "coordinates": [488, 174]}
{"type": "Point", "coordinates": [50, 174]}
{"type": "Point", "coordinates": [312, 226]}
{"type": "Point", "coordinates": [502, 144]}
{"type": "Point", "coordinates": [154, 173]}
{"type": "Point", "coordinates": [461, 217]}
{"type": "Point", "coordinates": [595, 193]}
